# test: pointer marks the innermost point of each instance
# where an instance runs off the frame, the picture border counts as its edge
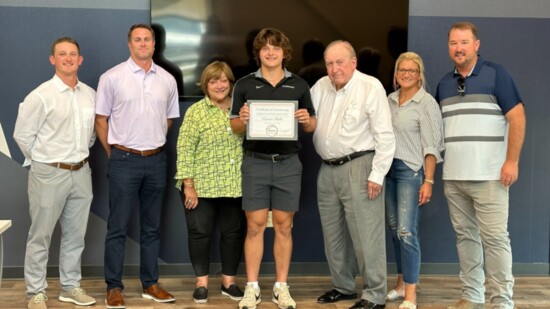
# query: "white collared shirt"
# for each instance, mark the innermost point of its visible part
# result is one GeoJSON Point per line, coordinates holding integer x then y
{"type": "Point", "coordinates": [354, 118]}
{"type": "Point", "coordinates": [56, 123]}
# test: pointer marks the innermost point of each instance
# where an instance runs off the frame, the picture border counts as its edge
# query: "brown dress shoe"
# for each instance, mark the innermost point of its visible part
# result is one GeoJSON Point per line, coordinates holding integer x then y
{"type": "Point", "coordinates": [157, 294]}
{"type": "Point", "coordinates": [465, 304]}
{"type": "Point", "coordinates": [115, 299]}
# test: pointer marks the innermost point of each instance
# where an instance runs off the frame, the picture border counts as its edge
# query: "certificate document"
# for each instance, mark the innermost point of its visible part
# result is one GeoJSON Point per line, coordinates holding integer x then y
{"type": "Point", "coordinates": [272, 120]}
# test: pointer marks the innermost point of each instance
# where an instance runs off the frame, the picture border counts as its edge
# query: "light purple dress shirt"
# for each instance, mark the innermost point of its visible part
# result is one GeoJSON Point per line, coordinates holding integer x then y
{"type": "Point", "coordinates": [138, 104]}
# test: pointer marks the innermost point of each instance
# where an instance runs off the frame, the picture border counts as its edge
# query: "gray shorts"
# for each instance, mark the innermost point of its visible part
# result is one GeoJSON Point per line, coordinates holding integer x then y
{"type": "Point", "coordinates": [268, 184]}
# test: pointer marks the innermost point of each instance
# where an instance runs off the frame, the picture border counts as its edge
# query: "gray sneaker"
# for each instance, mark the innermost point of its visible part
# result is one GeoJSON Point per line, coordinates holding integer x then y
{"type": "Point", "coordinates": [76, 296]}
{"type": "Point", "coordinates": [38, 301]}
{"type": "Point", "coordinates": [281, 296]}
{"type": "Point", "coordinates": [251, 298]}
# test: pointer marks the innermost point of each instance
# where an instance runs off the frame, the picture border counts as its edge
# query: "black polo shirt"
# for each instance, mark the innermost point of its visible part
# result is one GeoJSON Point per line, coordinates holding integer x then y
{"type": "Point", "coordinates": [255, 87]}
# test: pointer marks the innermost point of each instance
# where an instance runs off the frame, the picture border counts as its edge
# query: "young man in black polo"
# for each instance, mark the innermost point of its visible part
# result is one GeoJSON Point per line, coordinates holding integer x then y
{"type": "Point", "coordinates": [271, 169]}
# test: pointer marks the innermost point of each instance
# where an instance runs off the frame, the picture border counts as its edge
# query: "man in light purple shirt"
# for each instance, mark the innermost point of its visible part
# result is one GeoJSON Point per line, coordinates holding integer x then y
{"type": "Point", "coordinates": [135, 104]}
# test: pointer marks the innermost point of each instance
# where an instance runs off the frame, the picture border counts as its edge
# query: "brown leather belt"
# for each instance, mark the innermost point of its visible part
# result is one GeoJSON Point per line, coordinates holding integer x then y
{"type": "Point", "coordinates": [70, 166]}
{"type": "Point", "coordinates": [143, 153]}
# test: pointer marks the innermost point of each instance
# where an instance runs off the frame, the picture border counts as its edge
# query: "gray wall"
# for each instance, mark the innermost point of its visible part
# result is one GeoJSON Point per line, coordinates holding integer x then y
{"type": "Point", "coordinates": [512, 34]}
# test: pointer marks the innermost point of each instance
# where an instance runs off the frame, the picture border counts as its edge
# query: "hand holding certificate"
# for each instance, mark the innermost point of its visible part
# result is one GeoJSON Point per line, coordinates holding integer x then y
{"type": "Point", "coordinates": [272, 120]}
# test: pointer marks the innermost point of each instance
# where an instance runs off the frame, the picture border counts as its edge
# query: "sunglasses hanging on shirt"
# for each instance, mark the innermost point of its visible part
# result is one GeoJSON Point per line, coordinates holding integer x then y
{"type": "Point", "coordinates": [461, 86]}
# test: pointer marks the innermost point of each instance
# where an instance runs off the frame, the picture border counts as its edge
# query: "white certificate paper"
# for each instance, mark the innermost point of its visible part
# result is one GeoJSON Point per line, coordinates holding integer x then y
{"type": "Point", "coordinates": [272, 120]}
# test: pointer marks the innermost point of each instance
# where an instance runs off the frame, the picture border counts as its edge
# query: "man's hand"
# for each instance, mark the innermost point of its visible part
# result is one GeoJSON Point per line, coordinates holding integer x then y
{"type": "Point", "coordinates": [509, 173]}
{"type": "Point", "coordinates": [374, 190]}
{"type": "Point", "coordinates": [303, 117]}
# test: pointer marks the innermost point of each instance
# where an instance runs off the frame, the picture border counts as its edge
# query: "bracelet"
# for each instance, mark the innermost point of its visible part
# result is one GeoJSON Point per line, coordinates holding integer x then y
{"type": "Point", "coordinates": [188, 185]}
{"type": "Point", "coordinates": [430, 181]}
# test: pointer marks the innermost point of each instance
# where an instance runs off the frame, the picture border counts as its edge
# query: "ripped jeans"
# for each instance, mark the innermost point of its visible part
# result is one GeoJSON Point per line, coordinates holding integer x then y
{"type": "Point", "coordinates": [402, 216]}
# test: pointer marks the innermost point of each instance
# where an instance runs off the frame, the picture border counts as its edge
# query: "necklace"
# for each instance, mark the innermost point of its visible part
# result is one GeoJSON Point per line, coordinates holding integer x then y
{"type": "Point", "coordinates": [224, 105]}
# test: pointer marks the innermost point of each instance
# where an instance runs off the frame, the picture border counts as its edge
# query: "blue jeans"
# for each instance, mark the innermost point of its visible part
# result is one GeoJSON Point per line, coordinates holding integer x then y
{"type": "Point", "coordinates": [133, 179]}
{"type": "Point", "coordinates": [402, 216]}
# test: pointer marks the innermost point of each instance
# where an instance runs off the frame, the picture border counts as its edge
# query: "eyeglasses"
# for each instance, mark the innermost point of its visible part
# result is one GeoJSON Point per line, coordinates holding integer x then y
{"type": "Point", "coordinates": [411, 71]}
{"type": "Point", "coordinates": [461, 86]}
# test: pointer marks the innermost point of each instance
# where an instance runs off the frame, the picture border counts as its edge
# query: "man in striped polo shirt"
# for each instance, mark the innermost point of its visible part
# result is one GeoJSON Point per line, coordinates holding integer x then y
{"type": "Point", "coordinates": [484, 122]}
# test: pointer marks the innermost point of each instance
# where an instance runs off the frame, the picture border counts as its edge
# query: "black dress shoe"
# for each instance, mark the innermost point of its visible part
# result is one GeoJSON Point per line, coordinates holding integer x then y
{"type": "Point", "coordinates": [365, 304]}
{"type": "Point", "coordinates": [333, 296]}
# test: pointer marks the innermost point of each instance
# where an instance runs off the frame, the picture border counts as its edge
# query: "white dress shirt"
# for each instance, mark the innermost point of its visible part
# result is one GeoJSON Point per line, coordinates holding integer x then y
{"type": "Point", "coordinates": [354, 118]}
{"type": "Point", "coordinates": [56, 123]}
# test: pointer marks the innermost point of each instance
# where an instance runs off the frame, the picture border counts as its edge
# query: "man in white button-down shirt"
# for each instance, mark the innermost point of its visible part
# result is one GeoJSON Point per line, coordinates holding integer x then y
{"type": "Point", "coordinates": [355, 139]}
{"type": "Point", "coordinates": [54, 130]}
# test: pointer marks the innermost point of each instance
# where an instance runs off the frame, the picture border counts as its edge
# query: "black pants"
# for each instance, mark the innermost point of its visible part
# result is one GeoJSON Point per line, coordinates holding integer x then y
{"type": "Point", "coordinates": [201, 223]}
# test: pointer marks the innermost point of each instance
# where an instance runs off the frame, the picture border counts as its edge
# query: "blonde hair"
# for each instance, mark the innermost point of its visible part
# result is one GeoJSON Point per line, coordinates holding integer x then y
{"type": "Point", "coordinates": [414, 57]}
{"type": "Point", "coordinates": [347, 45]}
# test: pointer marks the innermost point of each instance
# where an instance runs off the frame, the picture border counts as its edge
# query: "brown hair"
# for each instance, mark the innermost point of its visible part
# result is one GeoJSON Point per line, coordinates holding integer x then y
{"type": "Point", "coordinates": [214, 71]}
{"type": "Point", "coordinates": [144, 26]}
{"type": "Point", "coordinates": [64, 39]}
{"type": "Point", "coordinates": [465, 25]}
{"type": "Point", "coordinates": [274, 37]}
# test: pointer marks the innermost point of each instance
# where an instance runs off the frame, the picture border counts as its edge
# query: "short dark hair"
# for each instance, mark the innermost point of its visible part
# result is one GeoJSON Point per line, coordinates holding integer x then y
{"type": "Point", "coordinates": [274, 37]}
{"type": "Point", "coordinates": [465, 25]}
{"type": "Point", "coordinates": [144, 26]}
{"type": "Point", "coordinates": [64, 39]}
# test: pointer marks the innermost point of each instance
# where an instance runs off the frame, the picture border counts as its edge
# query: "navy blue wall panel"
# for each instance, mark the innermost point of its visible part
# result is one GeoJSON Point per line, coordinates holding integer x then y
{"type": "Point", "coordinates": [520, 44]}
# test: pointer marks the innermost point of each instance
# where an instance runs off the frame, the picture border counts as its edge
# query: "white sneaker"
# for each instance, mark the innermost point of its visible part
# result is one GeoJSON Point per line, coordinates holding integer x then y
{"type": "Point", "coordinates": [38, 301]}
{"type": "Point", "coordinates": [76, 296]}
{"type": "Point", "coordinates": [281, 296]}
{"type": "Point", "coordinates": [251, 298]}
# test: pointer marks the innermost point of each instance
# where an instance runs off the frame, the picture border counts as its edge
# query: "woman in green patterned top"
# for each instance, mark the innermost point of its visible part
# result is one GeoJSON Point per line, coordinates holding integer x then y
{"type": "Point", "coordinates": [209, 157]}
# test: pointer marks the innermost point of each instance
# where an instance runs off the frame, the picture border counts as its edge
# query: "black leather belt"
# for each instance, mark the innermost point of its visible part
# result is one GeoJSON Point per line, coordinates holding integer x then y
{"type": "Point", "coordinates": [268, 156]}
{"type": "Point", "coordinates": [346, 159]}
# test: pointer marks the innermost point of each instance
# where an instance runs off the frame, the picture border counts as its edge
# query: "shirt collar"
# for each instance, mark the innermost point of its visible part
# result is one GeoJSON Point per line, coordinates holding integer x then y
{"type": "Point", "coordinates": [475, 70]}
{"type": "Point", "coordinates": [61, 86]}
{"type": "Point", "coordinates": [419, 95]}
{"type": "Point", "coordinates": [208, 102]}
{"type": "Point", "coordinates": [135, 68]}
{"type": "Point", "coordinates": [258, 73]}
{"type": "Point", "coordinates": [416, 97]}
{"type": "Point", "coordinates": [348, 84]}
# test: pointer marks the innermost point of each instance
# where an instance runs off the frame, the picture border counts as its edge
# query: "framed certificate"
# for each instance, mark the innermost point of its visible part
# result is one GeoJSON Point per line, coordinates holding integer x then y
{"type": "Point", "coordinates": [272, 120]}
